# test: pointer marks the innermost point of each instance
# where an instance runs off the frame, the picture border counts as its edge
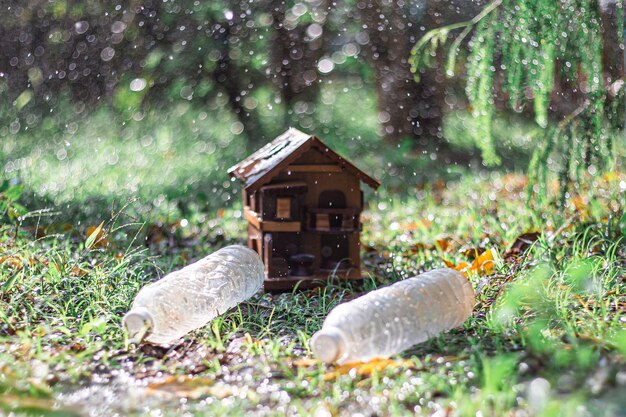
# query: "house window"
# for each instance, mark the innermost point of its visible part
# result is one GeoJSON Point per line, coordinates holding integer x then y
{"type": "Point", "coordinates": [283, 207]}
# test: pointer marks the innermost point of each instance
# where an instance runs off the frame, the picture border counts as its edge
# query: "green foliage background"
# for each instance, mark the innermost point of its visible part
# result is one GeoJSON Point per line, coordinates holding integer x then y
{"type": "Point", "coordinates": [541, 53]}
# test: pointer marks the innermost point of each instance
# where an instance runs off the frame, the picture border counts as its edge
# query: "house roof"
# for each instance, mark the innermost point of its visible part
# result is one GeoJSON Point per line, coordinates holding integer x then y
{"type": "Point", "coordinates": [267, 162]}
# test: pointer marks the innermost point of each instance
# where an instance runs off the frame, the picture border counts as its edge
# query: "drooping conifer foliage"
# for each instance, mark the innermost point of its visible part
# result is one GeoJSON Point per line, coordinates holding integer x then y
{"type": "Point", "coordinates": [559, 60]}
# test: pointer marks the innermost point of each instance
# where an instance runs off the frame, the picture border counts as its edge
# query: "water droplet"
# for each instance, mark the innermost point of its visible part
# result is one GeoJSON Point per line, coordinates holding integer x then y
{"type": "Point", "coordinates": [107, 54]}
{"type": "Point", "coordinates": [81, 27]}
{"type": "Point", "coordinates": [138, 84]}
{"type": "Point", "coordinates": [325, 65]}
{"type": "Point", "coordinates": [118, 27]}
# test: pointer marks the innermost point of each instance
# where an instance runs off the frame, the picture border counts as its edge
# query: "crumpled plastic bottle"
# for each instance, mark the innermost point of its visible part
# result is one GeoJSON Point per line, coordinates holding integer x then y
{"type": "Point", "coordinates": [389, 320]}
{"type": "Point", "coordinates": [189, 298]}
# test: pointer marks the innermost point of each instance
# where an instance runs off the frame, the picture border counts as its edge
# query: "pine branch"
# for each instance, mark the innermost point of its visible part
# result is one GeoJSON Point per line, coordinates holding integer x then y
{"type": "Point", "coordinates": [439, 35]}
{"type": "Point", "coordinates": [468, 28]}
{"type": "Point", "coordinates": [521, 45]}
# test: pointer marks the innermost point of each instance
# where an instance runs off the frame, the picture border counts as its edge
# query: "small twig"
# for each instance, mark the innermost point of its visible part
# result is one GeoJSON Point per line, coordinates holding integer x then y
{"type": "Point", "coordinates": [573, 114]}
{"type": "Point", "coordinates": [582, 302]}
{"type": "Point", "coordinates": [613, 90]}
{"type": "Point", "coordinates": [467, 25]}
{"type": "Point", "coordinates": [560, 230]}
{"type": "Point", "coordinates": [473, 21]}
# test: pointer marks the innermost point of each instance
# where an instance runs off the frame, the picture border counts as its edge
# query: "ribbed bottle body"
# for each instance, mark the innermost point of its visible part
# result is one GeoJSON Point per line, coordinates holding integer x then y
{"type": "Point", "coordinates": [189, 298]}
{"type": "Point", "coordinates": [391, 319]}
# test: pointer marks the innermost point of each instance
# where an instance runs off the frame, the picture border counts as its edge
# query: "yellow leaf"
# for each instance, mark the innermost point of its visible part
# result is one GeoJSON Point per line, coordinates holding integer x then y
{"type": "Point", "coordinates": [484, 263]}
{"type": "Point", "coordinates": [580, 203]}
{"type": "Point", "coordinates": [612, 176]}
{"type": "Point", "coordinates": [366, 369]}
{"type": "Point", "coordinates": [449, 264]}
{"type": "Point", "coordinates": [442, 244]}
{"type": "Point", "coordinates": [12, 262]}
{"type": "Point", "coordinates": [304, 362]}
{"type": "Point", "coordinates": [462, 266]}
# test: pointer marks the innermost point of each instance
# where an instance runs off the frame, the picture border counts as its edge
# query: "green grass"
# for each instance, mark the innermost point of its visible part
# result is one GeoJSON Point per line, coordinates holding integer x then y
{"type": "Point", "coordinates": [553, 312]}
{"type": "Point", "coordinates": [550, 315]}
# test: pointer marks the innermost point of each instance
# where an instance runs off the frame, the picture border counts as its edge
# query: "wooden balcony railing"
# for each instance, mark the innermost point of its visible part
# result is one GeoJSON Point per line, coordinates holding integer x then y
{"type": "Point", "coordinates": [269, 225]}
{"type": "Point", "coordinates": [332, 220]}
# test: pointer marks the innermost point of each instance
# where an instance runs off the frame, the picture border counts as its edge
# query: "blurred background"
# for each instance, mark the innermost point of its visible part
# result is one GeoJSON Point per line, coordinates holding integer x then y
{"type": "Point", "coordinates": [155, 99]}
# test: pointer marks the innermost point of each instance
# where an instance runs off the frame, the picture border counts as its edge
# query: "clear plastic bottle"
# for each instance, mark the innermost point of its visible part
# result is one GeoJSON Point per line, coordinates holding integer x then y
{"type": "Point", "coordinates": [391, 319]}
{"type": "Point", "coordinates": [189, 298]}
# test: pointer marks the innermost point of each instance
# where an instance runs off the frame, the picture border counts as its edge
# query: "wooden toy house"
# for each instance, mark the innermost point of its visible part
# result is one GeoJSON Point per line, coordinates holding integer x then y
{"type": "Point", "coordinates": [303, 203]}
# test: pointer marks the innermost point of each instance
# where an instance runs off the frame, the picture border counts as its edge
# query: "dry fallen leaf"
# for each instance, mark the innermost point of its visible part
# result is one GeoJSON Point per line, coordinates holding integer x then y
{"type": "Point", "coordinates": [36, 406]}
{"type": "Point", "coordinates": [580, 204]}
{"type": "Point", "coordinates": [78, 272]}
{"type": "Point", "coordinates": [366, 368]}
{"type": "Point", "coordinates": [304, 362]}
{"type": "Point", "coordinates": [182, 386]}
{"type": "Point", "coordinates": [522, 242]}
{"type": "Point", "coordinates": [482, 265]}
{"type": "Point", "coordinates": [514, 183]}
{"type": "Point", "coordinates": [442, 244]}
{"type": "Point", "coordinates": [417, 247]}
{"type": "Point", "coordinates": [420, 224]}
{"type": "Point", "coordinates": [12, 262]}
{"type": "Point", "coordinates": [462, 266]}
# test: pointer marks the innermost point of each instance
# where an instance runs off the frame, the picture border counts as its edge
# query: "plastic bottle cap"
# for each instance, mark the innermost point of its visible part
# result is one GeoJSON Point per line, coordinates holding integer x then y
{"type": "Point", "coordinates": [138, 323]}
{"type": "Point", "coordinates": [328, 345]}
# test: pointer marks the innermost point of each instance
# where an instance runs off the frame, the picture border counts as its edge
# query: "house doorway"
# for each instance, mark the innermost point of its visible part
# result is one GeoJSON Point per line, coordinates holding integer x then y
{"type": "Point", "coordinates": [334, 251]}
{"type": "Point", "coordinates": [333, 199]}
{"type": "Point", "coordinates": [334, 246]}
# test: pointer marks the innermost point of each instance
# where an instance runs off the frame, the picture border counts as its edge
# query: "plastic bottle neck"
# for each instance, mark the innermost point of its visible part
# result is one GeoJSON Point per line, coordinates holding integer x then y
{"type": "Point", "coordinates": [329, 345]}
{"type": "Point", "coordinates": [139, 323]}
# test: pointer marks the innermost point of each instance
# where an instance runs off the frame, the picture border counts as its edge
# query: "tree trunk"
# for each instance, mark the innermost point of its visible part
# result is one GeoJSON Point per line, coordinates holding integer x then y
{"type": "Point", "coordinates": [388, 51]}
{"type": "Point", "coordinates": [406, 108]}
{"type": "Point", "coordinates": [295, 52]}
{"type": "Point", "coordinates": [229, 78]}
{"type": "Point", "coordinates": [613, 63]}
